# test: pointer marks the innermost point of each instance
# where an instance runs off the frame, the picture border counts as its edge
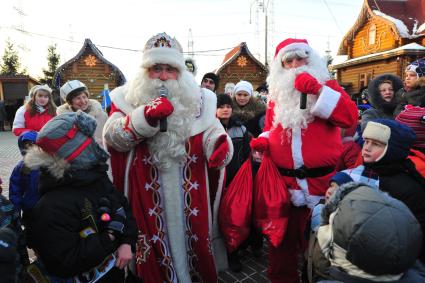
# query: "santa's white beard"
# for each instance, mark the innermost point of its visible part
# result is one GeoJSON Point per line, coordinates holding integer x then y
{"type": "Point", "coordinates": [168, 148]}
{"type": "Point", "coordinates": [286, 98]}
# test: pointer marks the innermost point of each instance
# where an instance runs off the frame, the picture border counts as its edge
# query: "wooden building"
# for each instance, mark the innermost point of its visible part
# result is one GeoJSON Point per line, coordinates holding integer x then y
{"type": "Point", "coordinates": [240, 64]}
{"type": "Point", "coordinates": [385, 38]}
{"type": "Point", "coordinates": [90, 67]}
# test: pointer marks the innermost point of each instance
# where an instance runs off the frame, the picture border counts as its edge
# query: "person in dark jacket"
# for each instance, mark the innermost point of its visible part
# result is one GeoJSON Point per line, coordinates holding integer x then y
{"type": "Point", "coordinates": [367, 236]}
{"type": "Point", "coordinates": [414, 86]}
{"type": "Point", "coordinates": [237, 132]}
{"type": "Point", "coordinates": [23, 183]}
{"type": "Point", "coordinates": [3, 115]}
{"type": "Point", "coordinates": [382, 97]}
{"type": "Point", "coordinates": [82, 227]}
{"type": "Point", "coordinates": [387, 145]}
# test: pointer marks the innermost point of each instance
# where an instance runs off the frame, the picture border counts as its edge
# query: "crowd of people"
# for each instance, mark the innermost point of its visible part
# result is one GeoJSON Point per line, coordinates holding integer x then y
{"type": "Point", "coordinates": [178, 178]}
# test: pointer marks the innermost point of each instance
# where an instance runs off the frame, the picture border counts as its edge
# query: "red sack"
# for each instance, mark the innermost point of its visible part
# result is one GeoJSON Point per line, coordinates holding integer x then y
{"type": "Point", "coordinates": [418, 159]}
{"type": "Point", "coordinates": [271, 202]}
{"type": "Point", "coordinates": [236, 208]}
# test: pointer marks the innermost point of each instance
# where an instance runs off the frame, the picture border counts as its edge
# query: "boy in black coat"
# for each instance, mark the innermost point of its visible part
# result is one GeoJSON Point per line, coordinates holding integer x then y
{"type": "Point", "coordinates": [81, 228]}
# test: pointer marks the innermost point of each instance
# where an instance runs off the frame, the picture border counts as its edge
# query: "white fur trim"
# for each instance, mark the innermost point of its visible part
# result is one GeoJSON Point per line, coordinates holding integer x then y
{"type": "Point", "coordinates": [19, 121]}
{"type": "Point", "coordinates": [171, 188]}
{"type": "Point", "coordinates": [209, 139]}
{"type": "Point", "coordinates": [296, 146]}
{"type": "Point", "coordinates": [163, 55]}
{"type": "Point", "coordinates": [265, 134]}
{"type": "Point", "coordinates": [36, 158]}
{"type": "Point", "coordinates": [298, 197]}
{"type": "Point", "coordinates": [326, 103]}
{"type": "Point", "coordinates": [293, 46]}
{"type": "Point", "coordinates": [139, 124]}
{"type": "Point", "coordinates": [118, 98]}
{"type": "Point", "coordinates": [206, 116]}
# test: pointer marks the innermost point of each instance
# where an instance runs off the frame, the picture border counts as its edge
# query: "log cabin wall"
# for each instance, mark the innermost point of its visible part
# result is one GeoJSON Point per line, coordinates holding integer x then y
{"type": "Point", "coordinates": [375, 36]}
{"type": "Point", "coordinates": [242, 68]}
{"type": "Point", "coordinates": [92, 72]}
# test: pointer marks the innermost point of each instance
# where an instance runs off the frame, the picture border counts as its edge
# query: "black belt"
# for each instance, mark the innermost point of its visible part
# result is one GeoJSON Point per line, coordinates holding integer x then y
{"type": "Point", "coordinates": [304, 172]}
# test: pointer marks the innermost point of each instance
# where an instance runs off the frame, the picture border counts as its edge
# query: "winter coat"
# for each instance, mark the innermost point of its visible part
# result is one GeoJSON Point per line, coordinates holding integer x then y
{"type": "Point", "coordinates": [247, 112]}
{"type": "Point", "coordinates": [23, 187]}
{"type": "Point", "coordinates": [24, 122]}
{"type": "Point", "coordinates": [415, 97]}
{"type": "Point", "coordinates": [66, 231]}
{"type": "Point", "coordinates": [381, 108]}
{"type": "Point", "coordinates": [241, 149]}
{"type": "Point", "coordinates": [95, 110]}
{"type": "Point", "coordinates": [401, 181]}
{"type": "Point", "coordinates": [255, 125]}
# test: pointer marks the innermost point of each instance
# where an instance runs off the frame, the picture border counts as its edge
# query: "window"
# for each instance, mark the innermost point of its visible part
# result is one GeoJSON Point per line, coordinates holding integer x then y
{"type": "Point", "coordinates": [372, 34]}
{"type": "Point", "coordinates": [364, 79]}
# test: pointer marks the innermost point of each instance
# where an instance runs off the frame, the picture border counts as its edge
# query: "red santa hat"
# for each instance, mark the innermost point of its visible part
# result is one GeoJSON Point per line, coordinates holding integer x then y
{"type": "Point", "coordinates": [163, 49]}
{"type": "Point", "coordinates": [291, 44]}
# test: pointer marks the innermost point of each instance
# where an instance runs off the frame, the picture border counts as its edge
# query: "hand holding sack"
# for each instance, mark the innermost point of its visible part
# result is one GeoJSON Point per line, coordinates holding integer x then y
{"type": "Point", "coordinates": [260, 144]}
{"type": "Point", "coordinates": [158, 109]}
{"type": "Point", "coordinates": [306, 83]}
{"type": "Point", "coordinates": [272, 202]}
{"type": "Point", "coordinates": [219, 155]}
{"type": "Point", "coordinates": [236, 208]}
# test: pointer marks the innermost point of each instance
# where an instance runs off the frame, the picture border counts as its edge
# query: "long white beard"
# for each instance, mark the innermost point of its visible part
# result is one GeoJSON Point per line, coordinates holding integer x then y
{"type": "Point", "coordinates": [168, 148]}
{"type": "Point", "coordinates": [286, 98]}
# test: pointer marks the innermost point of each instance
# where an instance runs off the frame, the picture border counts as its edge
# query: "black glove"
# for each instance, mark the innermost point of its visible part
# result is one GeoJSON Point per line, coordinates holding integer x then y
{"type": "Point", "coordinates": [112, 215]}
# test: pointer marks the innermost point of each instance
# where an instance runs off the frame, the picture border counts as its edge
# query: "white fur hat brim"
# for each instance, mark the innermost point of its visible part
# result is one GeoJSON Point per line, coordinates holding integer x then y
{"type": "Point", "coordinates": [169, 56]}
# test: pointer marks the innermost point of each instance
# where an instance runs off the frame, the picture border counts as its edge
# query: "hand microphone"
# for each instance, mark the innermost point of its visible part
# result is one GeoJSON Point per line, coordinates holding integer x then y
{"type": "Point", "coordinates": [163, 92]}
{"type": "Point", "coordinates": [303, 101]}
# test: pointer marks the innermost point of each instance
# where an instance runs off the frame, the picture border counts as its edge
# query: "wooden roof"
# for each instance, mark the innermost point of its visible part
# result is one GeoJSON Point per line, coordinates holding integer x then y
{"type": "Point", "coordinates": [18, 78]}
{"type": "Point", "coordinates": [405, 17]}
{"type": "Point", "coordinates": [88, 45]}
{"type": "Point", "coordinates": [234, 53]}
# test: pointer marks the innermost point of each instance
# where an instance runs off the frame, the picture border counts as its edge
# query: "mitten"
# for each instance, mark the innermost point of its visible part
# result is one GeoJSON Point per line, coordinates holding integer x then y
{"type": "Point", "coordinates": [221, 150]}
{"type": "Point", "coordinates": [260, 144]}
{"type": "Point", "coordinates": [306, 83]}
{"type": "Point", "coordinates": [158, 109]}
{"type": "Point", "coordinates": [112, 215]}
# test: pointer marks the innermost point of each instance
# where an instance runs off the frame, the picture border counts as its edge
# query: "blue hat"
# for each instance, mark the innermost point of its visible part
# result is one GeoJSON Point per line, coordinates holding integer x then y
{"type": "Point", "coordinates": [418, 67]}
{"type": "Point", "coordinates": [341, 178]}
{"type": "Point", "coordinates": [26, 136]}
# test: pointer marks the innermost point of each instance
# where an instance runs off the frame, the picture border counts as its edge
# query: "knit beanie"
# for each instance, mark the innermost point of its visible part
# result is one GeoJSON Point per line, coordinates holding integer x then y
{"type": "Point", "coordinates": [213, 77]}
{"type": "Point", "coordinates": [418, 67]}
{"type": "Point", "coordinates": [243, 86]}
{"type": "Point", "coordinates": [223, 99]}
{"type": "Point", "coordinates": [369, 233]}
{"type": "Point", "coordinates": [68, 140]}
{"type": "Point", "coordinates": [414, 117]}
{"type": "Point", "coordinates": [341, 178]}
{"type": "Point", "coordinates": [398, 138]}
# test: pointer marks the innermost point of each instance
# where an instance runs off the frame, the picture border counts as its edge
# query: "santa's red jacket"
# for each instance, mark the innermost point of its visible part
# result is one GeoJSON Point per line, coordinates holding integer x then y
{"type": "Point", "coordinates": [316, 148]}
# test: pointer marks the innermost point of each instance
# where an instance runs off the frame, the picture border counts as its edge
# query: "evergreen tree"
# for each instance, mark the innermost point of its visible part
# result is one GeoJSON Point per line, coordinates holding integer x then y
{"type": "Point", "coordinates": [52, 64]}
{"type": "Point", "coordinates": [11, 62]}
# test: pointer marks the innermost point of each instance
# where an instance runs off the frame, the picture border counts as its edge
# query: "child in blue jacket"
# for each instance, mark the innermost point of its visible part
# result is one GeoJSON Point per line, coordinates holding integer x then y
{"type": "Point", "coordinates": [23, 184]}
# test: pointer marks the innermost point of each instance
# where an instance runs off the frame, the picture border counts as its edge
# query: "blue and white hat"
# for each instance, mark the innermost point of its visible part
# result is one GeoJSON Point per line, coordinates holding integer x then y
{"type": "Point", "coordinates": [418, 67]}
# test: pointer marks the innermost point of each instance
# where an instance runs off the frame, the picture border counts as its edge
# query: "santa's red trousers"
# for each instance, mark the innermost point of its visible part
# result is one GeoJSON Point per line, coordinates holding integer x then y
{"type": "Point", "coordinates": [283, 260]}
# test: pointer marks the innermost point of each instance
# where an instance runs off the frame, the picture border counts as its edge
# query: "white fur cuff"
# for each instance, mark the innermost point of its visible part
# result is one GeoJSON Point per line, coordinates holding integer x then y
{"type": "Point", "coordinates": [298, 197]}
{"type": "Point", "coordinates": [139, 124]}
{"type": "Point", "coordinates": [326, 103]}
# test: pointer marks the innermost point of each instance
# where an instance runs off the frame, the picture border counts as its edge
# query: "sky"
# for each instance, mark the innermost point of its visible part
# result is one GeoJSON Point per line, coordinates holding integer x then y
{"type": "Point", "coordinates": [120, 29]}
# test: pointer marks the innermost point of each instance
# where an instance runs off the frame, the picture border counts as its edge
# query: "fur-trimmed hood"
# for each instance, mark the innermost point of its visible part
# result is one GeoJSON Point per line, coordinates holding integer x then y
{"type": "Point", "coordinates": [254, 107]}
{"type": "Point", "coordinates": [36, 158]}
{"type": "Point", "coordinates": [375, 98]}
{"type": "Point", "coordinates": [420, 83]}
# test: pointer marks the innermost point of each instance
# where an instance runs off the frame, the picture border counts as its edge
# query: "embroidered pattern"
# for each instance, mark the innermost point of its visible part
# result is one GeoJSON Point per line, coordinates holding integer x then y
{"type": "Point", "coordinates": [143, 248]}
{"type": "Point", "coordinates": [153, 104]}
{"type": "Point", "coordinates": [190, 212]}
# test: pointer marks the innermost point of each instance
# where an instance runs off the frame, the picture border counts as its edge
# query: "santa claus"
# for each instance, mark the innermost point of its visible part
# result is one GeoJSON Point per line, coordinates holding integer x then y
{"type": "Point", "coordinates": [304, 144]}
{"type": "Point", "coordinates": [172, 176]}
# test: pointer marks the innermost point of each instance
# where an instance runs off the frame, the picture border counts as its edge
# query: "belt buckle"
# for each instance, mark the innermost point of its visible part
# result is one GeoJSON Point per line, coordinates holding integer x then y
{"type": "Point", "coordinates": [301, 173]}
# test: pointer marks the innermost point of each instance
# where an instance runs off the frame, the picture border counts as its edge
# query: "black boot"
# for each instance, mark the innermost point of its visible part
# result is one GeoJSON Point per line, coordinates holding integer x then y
{"type": "Point", "coordinates": [234, 263]}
